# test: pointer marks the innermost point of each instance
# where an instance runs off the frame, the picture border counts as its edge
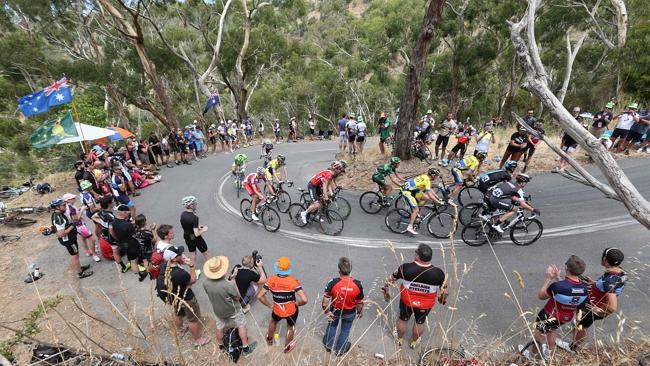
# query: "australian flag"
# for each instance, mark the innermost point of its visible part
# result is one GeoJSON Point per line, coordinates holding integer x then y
{"type": "Point", "coordinates": [214, 100]}
{"type": "Point", "coordinates": [41, 101]}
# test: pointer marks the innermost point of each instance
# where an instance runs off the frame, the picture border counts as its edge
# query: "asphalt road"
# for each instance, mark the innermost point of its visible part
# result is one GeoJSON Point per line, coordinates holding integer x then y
{"type": "Point", "coordinates": [577, 220]}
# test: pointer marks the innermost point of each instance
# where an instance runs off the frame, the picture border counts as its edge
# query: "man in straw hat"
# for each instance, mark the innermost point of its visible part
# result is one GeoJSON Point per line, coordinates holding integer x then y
{"type": "Point", "coordinates": [284, 288]}
{"type": "Point", "coordinates": [224, 298]}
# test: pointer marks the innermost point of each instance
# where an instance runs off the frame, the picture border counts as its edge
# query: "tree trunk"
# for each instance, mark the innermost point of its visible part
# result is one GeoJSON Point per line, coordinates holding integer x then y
{"type": "Point", "coordinates": [572, 52]}
{"type": "Point", "coordinates": [411, 94]}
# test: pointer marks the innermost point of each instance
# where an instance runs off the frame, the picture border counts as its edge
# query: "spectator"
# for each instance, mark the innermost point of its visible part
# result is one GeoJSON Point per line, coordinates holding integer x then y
{"type": "Point", "coordinates": [343, 137]}
{"type": "Point", "coordinates": [383, 125]}
{"type": "Point", "coordinates": [421, 282]}
{"type": "Point", "coordinates": [77, 217]}
{"type": "Point", "coordinates": [483, 140]}
{"type": "Point", "coordinates": [166, 149]}
{"type": "Point", "coordinates": [90, 203]}
{"type": "Point", "coordinates": [276, 131]}
{"type": "Point", "coordinates": [232, 135]}
{"type": "Point", "coordinates": [312, 127]}
{"type": "Point", "coordinates": [605, 140]}
{"type": "Point", "coordinates": [287, 296]}
{"type": "Point", "coordinates": [212, 137]}
{"type": "Point", "coordinates": [518, 142]}
{"type": "Point", "coordinates": [145, 236]}
{"type": "Point", "coordinates": [361, 135]}
{"type": "Point", "coordinates": [165, 234]}
{"type": "Point", "coordinates": [342, 303]}
{"type": "Point", "coordinates": [123, 230]}
{"type": "Point", "coordinates": [199, 141]}
{"type": "Point", "coordinates": [464, 134]}
{"type": "Point", "coordinates": [249, 131]}
{"type": "Point", "coordinates": [528, 118]}
{"type": "Point", "coordinates": [83, 172]}
{"type": "Point", "coordinates": [192, 231]}
{"type": "Point", "coordinates": [104, 217]}
{"type": "Point", "coordinates": [248, 276]}
{"type": "Point", "coordinates": [602, 120]}
{"type": "Point", "coordinates": [174, 287]}
{"type": "Point", "coordinates": [637, 131]}
{"type": "Point", "coordinates": [119, 188]}
{"type": "Point", "coordinates": [646, 140]}
{"type": "Point", "coordinates": [569, 145]}
{"type": "Point", "coordinates": [351, 133]}
{"type": "Point", "coordinates": [564, 297]}
{"type": "Point", "coordinates": [445, 129]}
{"type": "Point", "coordinates": [533, 141]}
{"type": "Point", "coordinates": [260, 130]}
{"type": "Point", "coordinates": [225, 301]}
{"type": "Point", "coordinates": [156, 149]}
{"type": "Point", "coordinates": [190, 140]}
{"type": "Point", "coordinates": [66, 233]}
{"type": "Point", "coordinates": [626, 120]}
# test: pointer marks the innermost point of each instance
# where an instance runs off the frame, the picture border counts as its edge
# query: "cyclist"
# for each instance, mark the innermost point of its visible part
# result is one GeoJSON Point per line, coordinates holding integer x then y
{"type": "Point", "coordinates": [603, 297]}
{"type": "Point", "coordinates": [417, 191]}
{"type": "Point", "coordinates": [272, 169]}
{"type": "Point", "coordinates": [425, 127]}
{"type": "Point", "coordinates": [239, 164]}
{"type": "Point", "coordinates": [506, 196]}
{"type": "Point", "coordinates": [466, 168]}
{"type": "Point", "coordinates": [388, 170]}
{"type": "Point", "coordinates": [493, 177]}
{"type": "Point", "coordinates": [251, 184]}
{"type": "Point", "coordinates": [322, 185]}
{"type": "Point", "coordinates": [267, 149]}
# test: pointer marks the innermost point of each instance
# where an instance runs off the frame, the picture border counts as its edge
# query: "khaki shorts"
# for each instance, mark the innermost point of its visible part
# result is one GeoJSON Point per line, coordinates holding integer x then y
{"type": "Point", "coordinates": [237, 320]}
{"type": "Point", "coordinates": [189, 309]}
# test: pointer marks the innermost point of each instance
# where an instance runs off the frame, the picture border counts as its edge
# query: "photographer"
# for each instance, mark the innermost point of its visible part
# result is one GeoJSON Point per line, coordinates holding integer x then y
{"type": "Point", "coordinates": [247, 276]}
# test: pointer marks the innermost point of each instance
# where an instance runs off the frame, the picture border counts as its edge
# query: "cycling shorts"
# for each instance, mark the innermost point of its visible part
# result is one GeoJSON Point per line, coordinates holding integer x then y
{"type": "Point", "coordinates": [500, 204]}
{"type": "Point", "coordinates": [269, 174]}
{"type": "Point", "coordinates": [586, 318]}
{"type": "Point", "coordinates": [291, 319]}
{"type": "Point", "coordinates": [351, 138]}
{"type": "Point", "coordinates": [458, 176]}
{"type": "Point", "coordinates": [405, 313]}
{"type": "Point", "coordinates": [361, 138]}
{"type": "Point", "coordinates": [250, 190]}
{"type": "Point", "coordinates": [315, 192]}
{"type": "Point", "coordinates": [412, 198]}
{"type": "Point", "coordinates": [544, 325]}
{"type": "Point", "coordinates": [442, 140]}
{"type": "Point", "coordinates": [380, 180]}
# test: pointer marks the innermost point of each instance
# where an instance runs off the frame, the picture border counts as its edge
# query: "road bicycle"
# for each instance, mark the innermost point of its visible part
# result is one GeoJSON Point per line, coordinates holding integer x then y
{"type": "Point", "coordinates": [282, 198]}
{"type": "Point", "coordinates": [239, 180]}
{"type": "Point", "coordinates": [268, 215]}
{"type": "Point", "coordinates": [469, 194]}
{"type": "Point", "coordinates": [8, 238]}
{"type": "Point", "coordinates": [15, 221]}
{"type": "Point", "coordinates": [447, 356]}
{"type": "Point", "coordinates": [329, 220]}
{"type": "Point", "coordinates": [440, 224]}
{"type": "Point", "coordinates": [421, 151]}
{"type": "Point", "coordinates": [9, 192]}
{"type": "Point", "coordinates": [337, 203]}
{"type": "Point", "coordinates": [523, 230]}
{"type": "Point", "coordinates": [28, 210]}
{"type": "Point", "coordinates": [471, 211]}
{"type": "Point", "coordinates": [374, 201]}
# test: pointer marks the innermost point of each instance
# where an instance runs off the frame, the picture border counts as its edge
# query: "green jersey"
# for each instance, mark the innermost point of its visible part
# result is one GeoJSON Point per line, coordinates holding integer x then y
{"type": "Point", "coordinates": [240, 159]}
{"type": "Point", "coordinates": [385, 170]}
{"type": "Point", "coordinates": [384, 129]}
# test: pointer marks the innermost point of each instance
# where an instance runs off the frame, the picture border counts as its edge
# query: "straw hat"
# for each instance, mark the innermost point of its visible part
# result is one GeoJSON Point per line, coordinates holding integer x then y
{"type": "Point", "coordinates": [216, 267]}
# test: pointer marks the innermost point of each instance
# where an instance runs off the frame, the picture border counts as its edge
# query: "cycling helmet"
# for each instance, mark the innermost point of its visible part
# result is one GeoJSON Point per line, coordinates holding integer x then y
{"type": "Point", "coordinates": [260, 170]}
{"type": "Point", "coordinates": [56, 202]}
{"type": "Point", "coordinates": [281, 158]}
{"type": "Point", "coordinates": [395, 160]}
{"type": "Point", "coordinates": [189, 201]}
{"type": "Point", "coordinates": [336, 166]}
{"type": "Point", "coordinates": [481, 155]}
{"type": "Point", "coordinates": [344, 163]}
{"type": "Point", "coordinates": [433, 171]}
{"type": "Point", "coordinates": [510, 165]}
{"type": "Point", "coordinates": [523, 178]}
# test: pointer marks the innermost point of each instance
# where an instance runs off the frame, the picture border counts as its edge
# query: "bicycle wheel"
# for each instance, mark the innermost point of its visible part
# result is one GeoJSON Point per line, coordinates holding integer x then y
{"type": "Point", "coordinates": [397, 220]}
{"type": "Point", "coordinates": [342, 206]}
{"type": "Point", "coordinates": [370, 202]}
{"type": "Point", "coordinates": [283, 201]}
{"type": "Point", "coordinates": [19, 222]}
{"type": "Point", "coordinates": [442, 357]}
{"type": "Point", "coordinates": [331, 222]}
{"type": "Point", "coordinates": [441, 225]}
{"type": "Point", "coordinates": [294, 214]}
{"type": "Point", "coordinates": [526, 232]}
{"type": "Point", "coordinates": [469, 213]}
{"type": "Point", "coordinates": [9, 238]}
{"type": "Point", "coordinates": [305, 198]}
{"type": "Point", "coordinates": [474, 236]}
{"type": "Point", "coordinates": [400, 202]}
{"type": "Point", "coordinates": [426, 154]}
{"type": "Point", "coordinates": [245, 209]}
{"type": "Point", "coordinates": [270, 219]}
{"type": "Point", "coordinates": [238, 187]}
{"type": "Point", "coordinates": [469, 195]}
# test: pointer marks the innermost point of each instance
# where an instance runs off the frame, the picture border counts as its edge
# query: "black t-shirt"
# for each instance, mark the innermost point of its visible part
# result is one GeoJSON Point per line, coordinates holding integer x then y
{"type": "Point", "coordinates": [153, 139]}
{"type": "Point", "coordinates": [145, 240]}
{"type": "Point", "coordinates": [124, 230]}
{"type": "Point", "coordinates": [79, 176]}
{"type": "Point", "coordinates": [189, 221]}
{"type": "Point", "coordinates": [420, 284]}
{"type": "Point", "coordinates": [244, 278]}
{"type": "Point", "coordinates": [179, 279]}
{"type": "Point", "coordinates": [602, 119]}
{"type": "Point", "coordinates": [518, 139]}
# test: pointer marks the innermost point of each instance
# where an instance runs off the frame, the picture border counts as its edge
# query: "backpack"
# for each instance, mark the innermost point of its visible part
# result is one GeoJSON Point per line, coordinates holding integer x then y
{"type": "Point", "coordinates": [154, 264]}
{"type": "Point", "coordinates": [232, 344]}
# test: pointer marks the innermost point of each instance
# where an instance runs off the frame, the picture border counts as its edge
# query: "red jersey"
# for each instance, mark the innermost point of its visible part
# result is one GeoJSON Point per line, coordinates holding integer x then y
{"type": "Point", "coordinates": [252, 179]}
{"type": "Point", "coordinates": [420, 283]}
{"type": "Point", "coordinates": [283, 289]}
{"type": "Point", "coordinates": [317, 179]}
{"type": "Point", "coordinates": [610, 282]}
{"type": "Point", "coordinates": [566, 295]}
{"type": "Point", "coordinates": [345, 292]}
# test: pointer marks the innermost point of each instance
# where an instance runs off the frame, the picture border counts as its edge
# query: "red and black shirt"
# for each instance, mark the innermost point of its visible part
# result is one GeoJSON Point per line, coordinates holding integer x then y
{"type": "Point", "coordinates": [345, 292]}
{"type": "Point", "coordinates": [420, 284]}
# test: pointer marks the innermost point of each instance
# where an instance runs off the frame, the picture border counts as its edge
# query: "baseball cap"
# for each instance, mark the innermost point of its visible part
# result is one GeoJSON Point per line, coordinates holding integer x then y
{"type": "Point", "coordinates": [123, 208]}
{"type": "Point", "coordinates": [283, 266]}
{"type": "Point", "coordinates": [69, 196]}
{"type": "Point", "coordinates": [172, 252]}
{"type": "Point", "coordinates": [609, 105]}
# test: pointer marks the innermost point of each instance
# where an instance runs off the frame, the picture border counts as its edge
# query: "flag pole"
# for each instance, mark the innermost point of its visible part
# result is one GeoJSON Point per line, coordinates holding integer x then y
{"type": "Point", "coordinates": [76, 115]}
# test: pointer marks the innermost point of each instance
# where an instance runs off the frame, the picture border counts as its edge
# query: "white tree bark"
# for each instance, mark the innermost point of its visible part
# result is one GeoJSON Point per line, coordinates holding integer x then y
{"type": "Point", "coordinates": [571, 53]}
{"type": "Point", "coordinates": [536, 83]}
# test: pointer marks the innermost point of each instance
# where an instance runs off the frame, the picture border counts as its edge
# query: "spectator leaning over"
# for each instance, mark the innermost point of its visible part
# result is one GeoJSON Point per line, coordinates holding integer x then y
{"type": "Point", "coordinates": [248, 277]}
{"type": "Point", "coordinates": [287, 296]}
{"type": "Point", "coordinates": [483, 140]}
{"type": "Point", "coordinates": [192, 231]}
{"type": "Point", "coordinates": [66, 233]}
{"type": "Point", "coordinates": [533, 141]}
{"type": "Point", "coordinates": [421, 284]}
{"type": "Point", "coordinates": [225, 298]}
{"type": "Point", "coordinates": [602, 120]}
{"type": "Point", "coordinates": [626, 120]}
{"type": "Point", "coordinates": [445, 129]}
{"type": "Point", "coordinates": [603, 297]}
{"type": "Point", "coordinates": [383, 126]}
{"type": "Point", "coordinates": [564, 297]}
{"type": "Point", "coordinates": [343, 138]}
{"type": "Point", "coordinates": [174, 287]}
{"type": "Point", "coordinates": [464, 134]}
{"type": "Point", "coordinates": [518, 143]}
{"type": "Point", "coordinates": [342, 303]}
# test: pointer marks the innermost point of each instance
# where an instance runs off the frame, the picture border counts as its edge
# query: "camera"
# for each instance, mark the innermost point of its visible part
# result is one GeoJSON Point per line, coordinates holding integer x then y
{"type": "Point", "coordinates": [256, 257]}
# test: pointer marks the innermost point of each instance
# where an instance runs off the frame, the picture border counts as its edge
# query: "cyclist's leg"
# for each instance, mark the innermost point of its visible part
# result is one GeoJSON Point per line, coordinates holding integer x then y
{"type": "Point", "coordinates": [315, 194]}
{"type": "Point", "coordinates": [413, 204]}
{"type": "Point", "coordinates": [458, 182]}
